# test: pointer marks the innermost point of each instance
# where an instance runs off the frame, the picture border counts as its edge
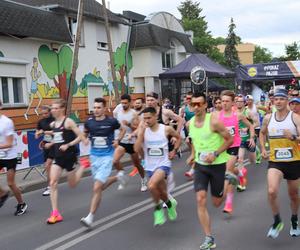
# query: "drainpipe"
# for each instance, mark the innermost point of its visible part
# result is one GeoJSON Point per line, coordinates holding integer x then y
{"type": "Point", "coordinates": [126, 55]}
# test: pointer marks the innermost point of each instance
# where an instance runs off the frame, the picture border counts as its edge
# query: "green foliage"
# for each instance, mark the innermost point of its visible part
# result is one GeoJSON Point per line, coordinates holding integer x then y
{"type": "Point", "coordinates": [261, 55]}
{"type": "Point", "coordinates": [292, 51]}
{"type": "Point", "coordinates": [119, 57]}
{"type": "Point", "coordinates": [189, 10]}
{"type": "Point", "coordinates": [231, 55]}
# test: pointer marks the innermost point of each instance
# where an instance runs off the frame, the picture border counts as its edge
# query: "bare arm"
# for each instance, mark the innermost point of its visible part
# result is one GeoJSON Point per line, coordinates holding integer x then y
{"type": "Point", "coordinates": [250, 127]}
{"type": "Point", "coordinates": [70, 124]}
{"type": "Point", "coordinates": [8, 143]}
{"type": "Point", "coordinates": [172, 116]}
{"type": "Point", "coordinates": [263, 135]}
{"type": "Point", "coordinates": [138, 146]}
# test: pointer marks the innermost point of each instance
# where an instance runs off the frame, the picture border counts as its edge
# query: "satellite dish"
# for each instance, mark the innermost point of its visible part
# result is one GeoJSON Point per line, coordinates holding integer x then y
{"type": "Point", "coordinates": [198, 75]}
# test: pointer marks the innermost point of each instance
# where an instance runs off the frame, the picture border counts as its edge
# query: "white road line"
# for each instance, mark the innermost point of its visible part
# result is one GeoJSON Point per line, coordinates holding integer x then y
{"type": "Point", "coordinates": [103, 220]}
{"type": "Point", "coordinates": [115, 222]}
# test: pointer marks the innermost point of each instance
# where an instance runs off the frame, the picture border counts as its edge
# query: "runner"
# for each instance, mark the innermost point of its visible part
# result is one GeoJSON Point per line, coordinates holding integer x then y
{"type": "Point", "coordinates": [8, 160]}
{"type": "Point", "coordinates": [153, 139]}
{"type": "Point", "coordinates": [231, 120]}
{"type": "Point", "coordinates": [44, 129]}
{"type": "Point", "coordinates": [66, 135]}
{"type": "Point", "coordinates": [100, 129]}
{"type": "Point", "coordinates": [126, 116]}
{"type": "Point", "coordinates": [210, 140]}
{"type": "Point", "coordinates": [247, 135]}
{"type": "Point", "coordinates": [294, 104]}
{"type": "Point", "coordinates": [283, 129]}
{"type": "Point", "coordinates": [138, 105]}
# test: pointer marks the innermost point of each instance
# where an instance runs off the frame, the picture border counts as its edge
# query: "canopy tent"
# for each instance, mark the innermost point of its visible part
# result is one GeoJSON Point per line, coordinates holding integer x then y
{"type": "Point", "coordinates": [183, 69]}
{"type": "Point", "coordinates": [214, 86]}
{"type": "Point", "coordinates": [268, 71]}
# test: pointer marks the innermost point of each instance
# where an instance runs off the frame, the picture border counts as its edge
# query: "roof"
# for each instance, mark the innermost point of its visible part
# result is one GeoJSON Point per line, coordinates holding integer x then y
{"type": "Point", "coordinates": [91, 8]}
{"type": "Point", "coordinates": [183, 69]}
{"type": "Point", "coordinates": [24, 21]}
{"type": "Point", "coordinates": [135, 17]}
{"type": "Point", "coordinates": [149, 35]}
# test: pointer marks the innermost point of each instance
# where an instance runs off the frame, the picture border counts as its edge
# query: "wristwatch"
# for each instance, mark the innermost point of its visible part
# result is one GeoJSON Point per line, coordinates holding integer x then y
{"type": "Point", "coordinates": [216, 154]}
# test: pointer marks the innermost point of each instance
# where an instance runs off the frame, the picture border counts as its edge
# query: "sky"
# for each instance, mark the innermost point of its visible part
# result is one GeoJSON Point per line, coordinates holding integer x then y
{"type": "Point", "coordinates": [268, 23]}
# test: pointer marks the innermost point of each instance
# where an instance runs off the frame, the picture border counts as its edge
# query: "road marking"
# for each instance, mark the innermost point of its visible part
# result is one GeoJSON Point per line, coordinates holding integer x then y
{"type": "Point", "coordinates": [103, 220]}
{"type": "Point", "coordinates": [115, 222]}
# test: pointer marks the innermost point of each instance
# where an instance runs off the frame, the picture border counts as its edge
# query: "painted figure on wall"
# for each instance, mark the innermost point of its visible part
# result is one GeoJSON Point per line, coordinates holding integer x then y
{"type": "Point", "coordinates": [35, 75]}
{"type": "Point", "coordinates": [110, 85]}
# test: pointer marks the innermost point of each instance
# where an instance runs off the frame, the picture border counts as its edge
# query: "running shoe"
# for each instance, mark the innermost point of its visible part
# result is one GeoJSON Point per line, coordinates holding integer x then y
{"type": "Point", "coordinates": [85, 162]}
{"type": "Point", "coordinates": [46, 191]}
{"type": "Point", "coordinates": [232, 178]}
{"type": "Point", "coordinates": [159, 217]}
{"type": "Point", "coordinates": [240, 188]}
{"type": "Point", "coordinates": [274, 232]}
{"type": "Point", "coordinates": [85, 222]}
{"type": "Point", "coordinates": [54, 218]}
{"type": "Point", "coordinates": [3, 199]}
{"type": "Point", "coordinates": [144, 184]}
{"type": "Point", "coordinates": [21, 209]}
{"type": "Point", "coordinates": [295, 231]}
{"type": "Point", "coordinates": [172, 213]}
{"type": "Point", "coordinates": [133, 172]}
{"type": "Point", "coordinates": [209, 243]}
{"type": "Point", "coordinates": [228, 208]}
{"type": "Point", "coordinates": [190, 173]}
{"type": "Point", "coordinates": [122, 178]}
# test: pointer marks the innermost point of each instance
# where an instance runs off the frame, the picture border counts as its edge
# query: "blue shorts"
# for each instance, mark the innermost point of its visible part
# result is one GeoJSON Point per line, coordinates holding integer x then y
{"type": "Point", "coordinates": [166, 169]}
{"type": "Point", "coordinates": [101, 167]}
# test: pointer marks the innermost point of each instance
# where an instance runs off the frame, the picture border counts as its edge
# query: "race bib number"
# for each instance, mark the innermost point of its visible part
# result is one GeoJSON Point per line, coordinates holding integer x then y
{"type": "Point", "coordinates": [125, 138]}
{"type": "Point", "coordinates": [58, 137]}
{"type": "Point", "coordinates": [282, 154]}
{"type": "Point", "coordinates": [231, 130]}
{"type": "Point", "coordinates": [243, 132]}
{"type": "Point", "coordinates": [155, 152]}
{"type": "Point", "coordinates": [99, 142]}
{"type": "Point", "coordinates": [202, 156]}
{"type": "Point", "coordinates": [2, 154]}
{"type": "Point", "coordinates": [47, 138]}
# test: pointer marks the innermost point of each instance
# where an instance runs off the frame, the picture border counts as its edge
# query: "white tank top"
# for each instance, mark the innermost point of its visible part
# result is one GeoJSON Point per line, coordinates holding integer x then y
{"type": "Point", "coordinates": [126, 116]}
{"type": "Point", "coordinates": [156, 151]}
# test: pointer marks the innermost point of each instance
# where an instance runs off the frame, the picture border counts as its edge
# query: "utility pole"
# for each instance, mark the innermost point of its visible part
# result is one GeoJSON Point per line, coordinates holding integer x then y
{"type": "Point", "coordinates": [75, 58]}
{"type": "Point", "coordinates": [112, 63]}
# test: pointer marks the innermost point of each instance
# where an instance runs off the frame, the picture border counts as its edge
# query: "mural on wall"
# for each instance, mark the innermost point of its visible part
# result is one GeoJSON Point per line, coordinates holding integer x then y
{"type": "Point", "coordinates": [120, 64]}
{"type": "Point", "coordinates": [94, 77]}
{"type": "Point", "coordinates": [110, 86]}
{"type": "Point", "coordinates": [35, 75]}
{"type": "Point", "coordinates": [58, 66]}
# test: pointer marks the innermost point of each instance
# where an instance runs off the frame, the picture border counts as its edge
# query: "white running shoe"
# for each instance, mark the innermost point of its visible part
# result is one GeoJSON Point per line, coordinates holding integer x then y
{"type": "Point", "coordinates": [123, 179]}
{"type": "Point", "coordinates": [144, 187]}
{"type": "Point", "coordinates": [46, 191]}
{"type": "Point", "coordinates": [295, 232]}
{"type": "Point", "coordinates": [85, 222]}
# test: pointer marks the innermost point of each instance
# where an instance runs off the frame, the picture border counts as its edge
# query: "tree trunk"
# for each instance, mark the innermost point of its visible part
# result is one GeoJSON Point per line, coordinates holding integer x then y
{"type": "Point", "coordinates": [62, 79]}
{"type": "Point", "coordinates": [122, 76]}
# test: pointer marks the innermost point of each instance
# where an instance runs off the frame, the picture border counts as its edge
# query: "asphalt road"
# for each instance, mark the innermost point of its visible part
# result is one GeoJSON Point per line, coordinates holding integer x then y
{"type": "Point", "coordinates": [124, 220]}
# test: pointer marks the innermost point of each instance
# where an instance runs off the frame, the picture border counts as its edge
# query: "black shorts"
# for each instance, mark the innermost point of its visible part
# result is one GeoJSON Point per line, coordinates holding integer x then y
{"type": "Point", "coordinates": [128, 148]}
{"type": "Point", "coordinates": [48, 154]}
{"type": "Point", "coordinates": [245, 144]}
{"type": "Point", "coordinates": [290, 170]}
{"type": "Point", "coordinates": [9, 164]}
{"type": "Point", "coordinates": [234, 151]}
{"type": "Point", "coordinates": [210, 174]}
{"type": "Point", "coordinates": [66, 162]}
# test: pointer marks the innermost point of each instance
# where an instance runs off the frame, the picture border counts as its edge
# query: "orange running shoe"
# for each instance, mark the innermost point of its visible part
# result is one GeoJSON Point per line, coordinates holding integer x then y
{"type": "Point", "coordinates": [228, 208]}
{"type": "Point", "coordinates": [54, 218]}
{"type": "Point", "coordinates": [85, 162]}
{"type": "Point", "coordinates": [133, 172]}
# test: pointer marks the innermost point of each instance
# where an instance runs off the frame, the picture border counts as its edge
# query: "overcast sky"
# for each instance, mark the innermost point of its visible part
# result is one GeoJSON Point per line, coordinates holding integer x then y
{"type": "Point", "coordinates": [269, 23]}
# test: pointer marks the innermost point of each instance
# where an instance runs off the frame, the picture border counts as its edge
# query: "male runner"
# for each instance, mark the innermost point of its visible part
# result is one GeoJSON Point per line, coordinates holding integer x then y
{"type": "Point", "coordinates": [153, 139]}
{"type": "Point", "coordinates": [231, 120]}
{"type": "Point", "coordinates": [283, 129]}
{"type": "Point", "coordinates": [100, 130]}
{"type": "Point", "coordinates": [138, 105]}
{"type": "Point", "coordinates": [8, 160]}
{"type": "Point", "coordinates": [294, 105]}
{"type": "Point", "coordinates": [66, 135]}
{"type": "Point", "coordinates": [126, 116]}
{"type": "Point", "coordinates": [210, 140]}
{"type": "Point", "coordinates": [44, 129]}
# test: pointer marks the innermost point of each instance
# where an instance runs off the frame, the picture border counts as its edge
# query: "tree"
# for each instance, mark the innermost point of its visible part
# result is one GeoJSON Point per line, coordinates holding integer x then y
{"type": "Point", "coordinates": [58, 67]}
{"type": "Point", "coordinates": [292, 51]}
{"type": "Point", "coordinates": [120, 64]}
{"type": "Point", "coordinates": [261, 55]}
{"type": "Point", "coordinates": [230, 53]}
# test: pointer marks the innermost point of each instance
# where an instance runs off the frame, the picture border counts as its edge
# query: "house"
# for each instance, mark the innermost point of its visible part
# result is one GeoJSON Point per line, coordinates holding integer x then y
{"type": "Point", "coordinates": [36, 51]}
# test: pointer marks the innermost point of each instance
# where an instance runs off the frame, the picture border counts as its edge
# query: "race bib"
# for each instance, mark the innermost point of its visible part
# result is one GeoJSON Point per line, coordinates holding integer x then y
{"type": "Point", "coordinates": [231, 130]}
{"type": "Point", "coordinates": [282, 154]}
{"type": "Point", "coordinates": [243, 132]}
{"type": "Point", "coordinates": [48, 138]}
{"type": "Point", "coordinates": [58, 137]}
{"type": "Point", "coordinates": [99, 142]}
{"type": "Point", "coordinates": [125, 138]}
{"type": "Point", "coordinates": [202, 156]}
{"type": "Point", "coordinates": [155, 152]}
{"type": "Point", "coordinates": [2, 154]}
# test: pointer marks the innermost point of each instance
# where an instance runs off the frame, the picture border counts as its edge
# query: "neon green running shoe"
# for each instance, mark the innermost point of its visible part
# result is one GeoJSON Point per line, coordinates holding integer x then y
{"type": "Point", "coordinates": [159, 217]}
{"type": "Point", "coordinates": [172, 213]}
{"type": "Point", "coordinates": [274, 232]}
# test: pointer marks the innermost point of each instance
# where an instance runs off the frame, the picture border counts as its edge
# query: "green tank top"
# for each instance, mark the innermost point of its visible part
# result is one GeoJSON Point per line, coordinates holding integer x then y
{"type": "Point", "coordinates": [206, 141]}
{"type": "Point", "coordinates": [188, 114]}
{"type": "Point", "coordinates": [243, 129]}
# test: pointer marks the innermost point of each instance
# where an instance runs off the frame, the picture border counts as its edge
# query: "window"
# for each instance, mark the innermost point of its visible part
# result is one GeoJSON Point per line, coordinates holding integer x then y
{"type": "Point", "coordinates": [72, 22]}
{"type": "Point", "coordinates": [102, 45]}
{"type": "Point", "coordinates": [12, 91]}
{"type": "Point", "coordinates": [167, 60]}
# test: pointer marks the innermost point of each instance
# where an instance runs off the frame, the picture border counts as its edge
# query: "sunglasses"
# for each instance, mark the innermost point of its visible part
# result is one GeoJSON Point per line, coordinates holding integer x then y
{"type": "Point", "coordinates": [217, 102]}
{"type": "Point", "coordinates": [295, 95]}
{"type": "Point", "coordinates": [199, 104]}
{"type": "Point", "coordinates": [188, 98]}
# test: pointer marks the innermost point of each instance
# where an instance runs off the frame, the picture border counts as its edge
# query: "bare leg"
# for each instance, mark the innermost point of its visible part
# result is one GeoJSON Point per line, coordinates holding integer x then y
{"type": "Point", "coordinates": [97, 194]}
{"type": "Point", "coordinates": [55, 174]}
{"type": "Point", "coordinates": [12, 185]}
{"type": "Point", "coordinates": [274, 179]}
{"type": "Point", "coordinates": [203, 215]}
{"type": "Point", "coordinates": [154, 188]}
{"type": "Point", "coordinates": [75, 176]}
{"type": "Point", "coordinates": [119, 153]}
{"type": "Point", "coordinates": [293, 189]}
{"type": "Point", "coordinates": [137, 163]}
